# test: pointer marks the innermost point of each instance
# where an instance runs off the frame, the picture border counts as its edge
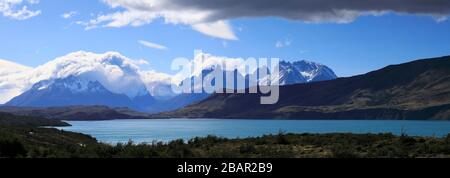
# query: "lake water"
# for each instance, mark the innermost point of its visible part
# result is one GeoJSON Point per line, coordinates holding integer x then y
{"type": "Point", "coordinates": [139, 131]}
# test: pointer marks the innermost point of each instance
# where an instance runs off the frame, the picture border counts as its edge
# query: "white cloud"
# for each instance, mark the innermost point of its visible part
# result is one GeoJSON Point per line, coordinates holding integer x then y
{"type": "Point", "coordinates": [225, 44]}
{"type": "Point", "coordinates": [8, 68]}
{"type": "Point", "coordinates": [211, 17]}
{"type": "Point", "coordinates": [155, 77]}
{"type": "Point", "coordinates": [440, 19]}
{"type": "Point", "coordinates": [158, 84]}
{"type": "Point", "coordinates": [152, 45]}
{"type": "Point", "coordinates": [140, 62]}
{"type": "Point", "coordinates": [219, 29]}
{"type": "Point", "coordinates": [283, 43]}
{"type": "Point", "coordinates": [10, 72]}
{"type": "Point", "coordinates": [303, 51]}
{"type": "Point", "coordinates": [203, 61]}
{"type": "Point", "coordinates": [140, 12]}
{"type": "Point", "coordinates": [117, 73]}
{"type": "Point", "coordinates": [15, 9]}
{"type": "Point", "coordinates": [69, 15]}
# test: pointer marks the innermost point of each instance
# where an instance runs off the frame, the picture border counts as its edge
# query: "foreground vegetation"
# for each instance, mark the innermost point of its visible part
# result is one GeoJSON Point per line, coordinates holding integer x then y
{"type": "Point", "coordinates": [24, 137]}
{"type": "Point", "coordinates": [29, 142]}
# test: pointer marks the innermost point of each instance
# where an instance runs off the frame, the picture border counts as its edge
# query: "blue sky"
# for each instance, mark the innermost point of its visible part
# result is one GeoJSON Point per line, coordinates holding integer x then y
{"type": "Point", "coordinates": [366, 43]}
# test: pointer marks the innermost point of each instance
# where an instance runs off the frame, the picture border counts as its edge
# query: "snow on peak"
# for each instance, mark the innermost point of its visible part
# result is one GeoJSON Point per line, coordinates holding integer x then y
{"type": "Point", "coordinates": [71, 83]}
{"type": "Point", "coordinates": [305, 71]}
{"type": "Point", "coordinates": [207, 62]}
{"type": "Point", "coordinates": [114, 71]}
{"type": "Point", "coordinates": [123, 75]}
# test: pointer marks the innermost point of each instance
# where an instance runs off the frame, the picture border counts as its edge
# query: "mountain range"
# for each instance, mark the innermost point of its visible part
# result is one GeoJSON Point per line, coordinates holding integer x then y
{"type": "Point", "coordinates": [414, 90]}
{"type": "Point", "coordinates": [76, 90]}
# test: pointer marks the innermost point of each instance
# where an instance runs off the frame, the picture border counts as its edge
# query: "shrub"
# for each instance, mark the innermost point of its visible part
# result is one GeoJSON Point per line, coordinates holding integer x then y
{"type": "Point", "coordinates": [247, 148]}
{"type": "Point", "coordinates": [409, 141]}
{"type": "Point", "coordinates": [282, 139]}
{"type": "Point", "coordinates": [12, 149]}
{"type": "Point", "coordinates": [341, 151]}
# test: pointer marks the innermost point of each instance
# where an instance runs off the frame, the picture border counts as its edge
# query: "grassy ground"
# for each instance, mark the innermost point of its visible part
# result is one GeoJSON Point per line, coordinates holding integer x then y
{"type": "Point", "coordinates": [32, 142]}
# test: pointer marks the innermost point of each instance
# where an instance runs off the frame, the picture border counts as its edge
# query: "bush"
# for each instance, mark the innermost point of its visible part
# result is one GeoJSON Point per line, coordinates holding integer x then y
{"type": "Point", "coordinates": [341, 151]}
{"type": "Point", "coordinates": [247, 148]}
{"type": "Point", "coordinates": [12, 149]}
{"type": "Point", "coordinates": [48, 143]}
{"type": "Point", "coordinates": [408, 141]}
{"type": "Point", "coordinates": [282, 139]}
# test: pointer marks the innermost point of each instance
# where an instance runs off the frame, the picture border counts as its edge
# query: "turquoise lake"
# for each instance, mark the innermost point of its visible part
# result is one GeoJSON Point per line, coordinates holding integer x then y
{"type": "Point", "coordinates": [140, 131]}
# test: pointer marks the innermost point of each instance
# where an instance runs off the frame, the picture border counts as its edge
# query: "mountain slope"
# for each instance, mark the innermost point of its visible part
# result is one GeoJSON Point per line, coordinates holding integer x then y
{"type": "Point", "coordinates": [414, 90]}
{"type": "Point", "coordinates": [180, 101]}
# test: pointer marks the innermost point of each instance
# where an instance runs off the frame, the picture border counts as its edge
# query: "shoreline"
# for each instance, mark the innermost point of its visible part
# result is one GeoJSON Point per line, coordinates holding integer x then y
{"type": "Point", "coordinates": [166, 130]}
{"type": "Point", "coordinates": [46, 143]}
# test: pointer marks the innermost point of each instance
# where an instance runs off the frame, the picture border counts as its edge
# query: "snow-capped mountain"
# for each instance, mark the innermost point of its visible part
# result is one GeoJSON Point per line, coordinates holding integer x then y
{"type": "Point", "coordinates": [298, 72]}
{"type": "Point", "coordinates": [303, 72]}
{"type": "Point", "coordinates": [84, 78]}
{"type": "Point", "coordinates": [289, 73]}
{"type": "Point", "coordinates": [314, 72]}
{"type": "Point", "coordinates": [70, 91]}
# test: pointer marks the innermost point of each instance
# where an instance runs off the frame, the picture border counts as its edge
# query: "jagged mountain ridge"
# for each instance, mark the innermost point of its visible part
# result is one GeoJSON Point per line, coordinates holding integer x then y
{"type": "Point", "coordinates": [414, 90]}
{"type": "Point", "coordinates": [304, 72]}
{"type": "Point", "coordinates": [74, 90]}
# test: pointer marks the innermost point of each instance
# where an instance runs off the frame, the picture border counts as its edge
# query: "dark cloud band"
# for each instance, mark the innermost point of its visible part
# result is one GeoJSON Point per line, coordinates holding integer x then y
{"type": "Point", "coordinates": [308, 10]}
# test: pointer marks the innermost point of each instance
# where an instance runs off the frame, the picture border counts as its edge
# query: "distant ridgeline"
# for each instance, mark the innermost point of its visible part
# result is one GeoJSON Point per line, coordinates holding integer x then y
{"type": "Point", "coordinates": [414, 90]}
{"type": "Point", "coordinates": [10, 120]}
{"type": "Point", "coordinates": [75, 112]}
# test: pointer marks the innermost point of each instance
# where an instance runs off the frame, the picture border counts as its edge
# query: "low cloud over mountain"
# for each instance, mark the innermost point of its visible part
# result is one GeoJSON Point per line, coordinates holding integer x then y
{"type": "Point", "coordinates": [11, 81]}
{"type": "Point", "coordinates": [86, 78]}
{"type": "Point", "coordinates": [117, 73]}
